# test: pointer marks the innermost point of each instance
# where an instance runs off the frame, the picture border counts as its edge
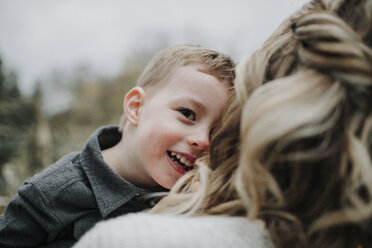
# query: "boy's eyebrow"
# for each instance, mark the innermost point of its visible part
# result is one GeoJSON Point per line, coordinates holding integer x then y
{"type": "Point", "coordinates": [196, 103]}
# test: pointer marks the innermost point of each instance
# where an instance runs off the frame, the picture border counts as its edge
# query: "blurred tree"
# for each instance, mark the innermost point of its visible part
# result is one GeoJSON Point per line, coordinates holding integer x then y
{"type": "Point", "coordinates": [39, 138]}
{"type": "Point", "coordinates": [15, 116]}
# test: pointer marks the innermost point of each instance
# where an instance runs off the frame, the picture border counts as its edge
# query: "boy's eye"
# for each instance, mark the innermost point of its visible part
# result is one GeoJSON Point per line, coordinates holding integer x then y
{"type": "Point", "coordinates": [188, 113]}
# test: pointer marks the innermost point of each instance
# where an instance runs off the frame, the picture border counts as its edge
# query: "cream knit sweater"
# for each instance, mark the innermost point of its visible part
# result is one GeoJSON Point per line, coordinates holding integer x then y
{"type": "Point", "coordinates": [161, 231]}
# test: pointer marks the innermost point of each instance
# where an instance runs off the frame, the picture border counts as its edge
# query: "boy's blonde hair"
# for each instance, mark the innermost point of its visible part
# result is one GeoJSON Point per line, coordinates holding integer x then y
{"type": "Point", "coordinates": [167, 60]}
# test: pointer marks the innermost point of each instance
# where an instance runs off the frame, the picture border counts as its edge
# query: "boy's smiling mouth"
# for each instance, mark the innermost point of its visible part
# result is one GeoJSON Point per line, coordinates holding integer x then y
{"type": "Point", "coordinates": [186, 163]}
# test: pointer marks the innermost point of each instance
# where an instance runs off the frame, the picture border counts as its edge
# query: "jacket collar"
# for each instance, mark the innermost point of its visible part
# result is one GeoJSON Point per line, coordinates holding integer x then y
{"type": "Point", "coordinates": [111, 190]}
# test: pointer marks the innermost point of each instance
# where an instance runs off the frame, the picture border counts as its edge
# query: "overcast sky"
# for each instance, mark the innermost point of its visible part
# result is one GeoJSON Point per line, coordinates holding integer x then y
{"type": "Point", "coordinates": [40, 36]}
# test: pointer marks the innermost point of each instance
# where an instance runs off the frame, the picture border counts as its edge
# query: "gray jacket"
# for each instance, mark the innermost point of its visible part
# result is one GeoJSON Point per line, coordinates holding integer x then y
{"type": "Point", "coordinates": [57, 206]}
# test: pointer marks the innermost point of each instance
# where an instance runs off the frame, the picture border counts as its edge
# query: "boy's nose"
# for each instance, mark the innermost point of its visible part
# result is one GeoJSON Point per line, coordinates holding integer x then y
{"type": "Point", "coordinates": [199, 142]}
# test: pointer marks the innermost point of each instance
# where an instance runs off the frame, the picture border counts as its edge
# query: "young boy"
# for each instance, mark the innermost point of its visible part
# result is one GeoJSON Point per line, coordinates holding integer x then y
{"type": "Point", "coordinates": [166, 126]}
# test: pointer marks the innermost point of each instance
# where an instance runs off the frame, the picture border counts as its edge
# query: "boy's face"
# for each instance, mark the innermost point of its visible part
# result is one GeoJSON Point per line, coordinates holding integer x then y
{"type": "Point", "coordinates": [175, 122]}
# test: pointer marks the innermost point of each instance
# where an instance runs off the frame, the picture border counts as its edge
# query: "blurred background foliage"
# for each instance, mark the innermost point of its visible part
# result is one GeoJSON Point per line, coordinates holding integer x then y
{"type": "Point", "coordinates": [33, 136]}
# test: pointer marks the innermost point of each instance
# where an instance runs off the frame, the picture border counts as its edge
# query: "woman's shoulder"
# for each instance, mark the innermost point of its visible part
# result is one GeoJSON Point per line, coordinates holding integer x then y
{"type": "Point", "coordinates": [150, 230]}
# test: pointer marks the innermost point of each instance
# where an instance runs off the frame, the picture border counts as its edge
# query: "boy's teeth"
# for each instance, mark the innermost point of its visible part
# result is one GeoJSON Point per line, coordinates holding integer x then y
{"type": "Point", "coordinates": [182, 159]}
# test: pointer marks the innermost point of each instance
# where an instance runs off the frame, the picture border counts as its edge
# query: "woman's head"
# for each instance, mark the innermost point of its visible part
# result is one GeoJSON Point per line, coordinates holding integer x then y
{"type": "Point", "coordinates": [306, 126]}
{"type": "Point", "coordinates": [294, 146]}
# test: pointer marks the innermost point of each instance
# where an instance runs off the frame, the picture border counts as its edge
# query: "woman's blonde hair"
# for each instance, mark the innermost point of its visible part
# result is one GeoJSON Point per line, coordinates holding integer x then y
{"type": "Point", "coordinates": [294, 147]}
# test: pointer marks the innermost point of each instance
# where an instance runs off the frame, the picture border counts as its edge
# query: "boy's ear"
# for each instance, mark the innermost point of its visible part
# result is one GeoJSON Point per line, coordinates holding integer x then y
{"type": "Point", "coordinates": [133, 102]}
